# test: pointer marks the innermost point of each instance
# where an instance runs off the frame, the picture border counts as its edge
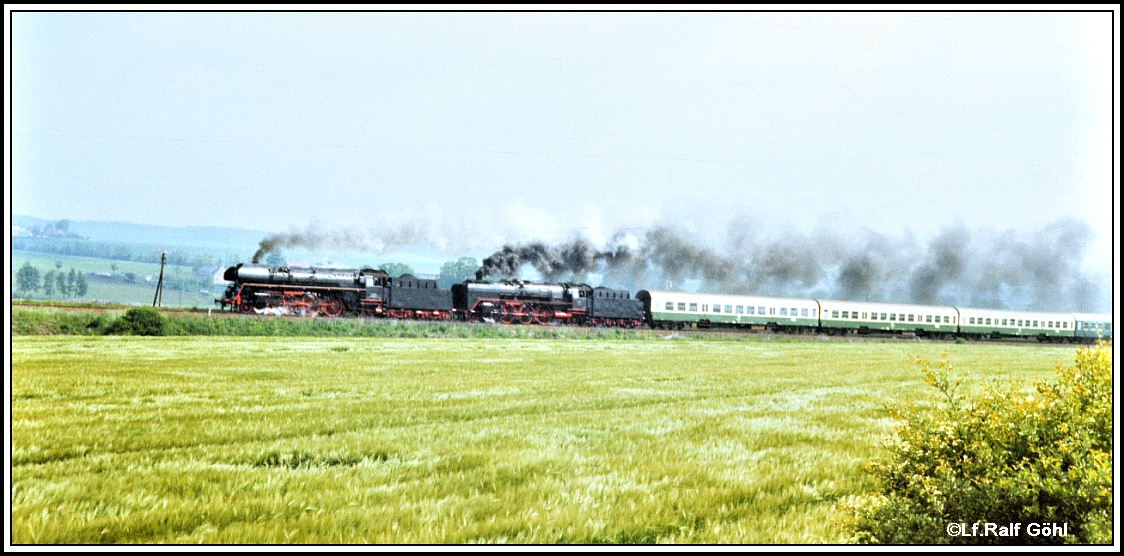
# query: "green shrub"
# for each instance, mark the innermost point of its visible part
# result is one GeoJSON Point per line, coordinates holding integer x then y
{"type": "Point", "coordinates": [1012, 455]}
{"type": "Point", "coordinates": [139, 321]}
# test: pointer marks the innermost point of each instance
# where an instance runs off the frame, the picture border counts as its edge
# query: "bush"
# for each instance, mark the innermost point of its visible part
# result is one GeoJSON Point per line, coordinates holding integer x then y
{"type": "Point", "coordinates": [1010, 456]}
{"type": "Point", "coordinates": [139, 321]}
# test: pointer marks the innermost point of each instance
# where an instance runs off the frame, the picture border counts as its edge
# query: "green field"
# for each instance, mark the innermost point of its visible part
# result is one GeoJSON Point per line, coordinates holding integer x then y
{"type": "Point", "coordinates": [361, 440]}
{"type": "Point", "coordinates": [116, 292]}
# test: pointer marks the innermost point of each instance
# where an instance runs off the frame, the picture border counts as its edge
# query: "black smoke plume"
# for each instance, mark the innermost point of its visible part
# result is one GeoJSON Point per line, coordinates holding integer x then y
{"type": "Point", "coordinates": [313, 239]}
{"type": "Point", "coordinates": [575, 259]}
{"type": "Point", "coordinates": [374, 239]}
{"type": "Point", "coordinates": [1041, 270]}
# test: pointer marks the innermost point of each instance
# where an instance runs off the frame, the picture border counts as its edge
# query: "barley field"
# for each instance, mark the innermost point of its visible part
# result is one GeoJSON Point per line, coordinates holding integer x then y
{"type": "Point", "coordinates": [390, 440]}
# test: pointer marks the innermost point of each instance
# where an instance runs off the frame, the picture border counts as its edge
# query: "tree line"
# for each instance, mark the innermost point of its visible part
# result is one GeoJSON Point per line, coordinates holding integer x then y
{"type": "Point", "coordinates": [69, 284]}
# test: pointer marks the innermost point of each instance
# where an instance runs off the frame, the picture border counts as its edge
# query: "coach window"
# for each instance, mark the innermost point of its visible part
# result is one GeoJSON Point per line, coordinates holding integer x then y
{"type": "Point", "coordinates": [893, 316]}
{"type": "Point", "coordinates": [772, 310]}
{"type": "Point", "coordinates": [882, 316]}
{"type": "Point", "coordinates": [835, 314]}
{"type": "Point", "coordinates": [784, 312]}
{"type": "Point", "coordinates": [739, 309]}
{"type": "Point", "coordinates": [706, 308]}
{"type": "Point", "coordinates": [718, 308]}
{"type": "Point", "coordinates": [694, 307]}
{"type": "Point", "coordinates": [728, 309]}
{"type": "Point", "coordinates": [668, 306]}
{"type": "Point", "coordinates": [971, 320]}
{"type": "Point", "coordinates": [1035, 324]}
{"type": "Point", "coordinates": [682, 306]}
{"type": "Point", "coordinates": [803, 312]}
{"type": "Point", "coordinates": [928, 318]}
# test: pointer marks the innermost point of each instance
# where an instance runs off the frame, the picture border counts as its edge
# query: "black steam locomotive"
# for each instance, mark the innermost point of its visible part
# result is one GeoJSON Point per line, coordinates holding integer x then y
{"type": "Point", "coordinates": [368, 292]}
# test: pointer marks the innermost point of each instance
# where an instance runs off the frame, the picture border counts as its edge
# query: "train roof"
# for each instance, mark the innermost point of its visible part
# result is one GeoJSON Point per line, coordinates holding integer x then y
{"type": "Point", "coordinates": [711, 296]}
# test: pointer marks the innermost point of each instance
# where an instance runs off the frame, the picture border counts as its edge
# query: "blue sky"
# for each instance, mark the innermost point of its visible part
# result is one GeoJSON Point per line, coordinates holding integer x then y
{"type": "Point", "coordinates": [467, 130]}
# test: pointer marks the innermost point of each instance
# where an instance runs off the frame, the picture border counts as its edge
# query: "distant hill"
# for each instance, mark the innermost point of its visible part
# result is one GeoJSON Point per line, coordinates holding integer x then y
{"type": "Point", "coordinates": [228, 242]}
{"type": "Point", "coordinates": [207, 237]}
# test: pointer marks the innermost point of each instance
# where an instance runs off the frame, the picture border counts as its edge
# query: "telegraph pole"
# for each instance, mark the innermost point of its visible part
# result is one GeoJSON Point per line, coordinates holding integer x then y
{"type": "Point", "coordinates": [159, 297]}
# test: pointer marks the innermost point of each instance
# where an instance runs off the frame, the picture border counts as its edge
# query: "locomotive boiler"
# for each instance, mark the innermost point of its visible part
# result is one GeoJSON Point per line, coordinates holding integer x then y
{"type": "Point", "coordinates": [331, 292]}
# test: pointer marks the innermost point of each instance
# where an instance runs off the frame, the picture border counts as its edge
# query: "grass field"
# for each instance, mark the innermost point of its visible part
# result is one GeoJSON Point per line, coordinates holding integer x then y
{"type": "Point", "coordinates": [308, 440]}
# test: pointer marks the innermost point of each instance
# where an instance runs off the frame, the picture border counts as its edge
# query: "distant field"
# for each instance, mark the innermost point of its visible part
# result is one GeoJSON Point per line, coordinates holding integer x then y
{"type": "Point", "coordinates": [302, 440]}
{"type": "Point", "coordinates": [113, 292]}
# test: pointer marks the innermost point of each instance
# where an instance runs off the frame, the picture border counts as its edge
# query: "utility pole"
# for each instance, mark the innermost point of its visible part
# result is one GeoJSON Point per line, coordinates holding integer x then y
{"type": "Point", "coordinates": [159, 297]}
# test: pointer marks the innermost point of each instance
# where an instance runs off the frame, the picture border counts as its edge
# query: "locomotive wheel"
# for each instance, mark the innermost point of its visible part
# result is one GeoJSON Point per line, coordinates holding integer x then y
{"type": "Point", "coordinates": [507, 316]}
{"type": "Point", "coordinates": [245, 307]}
{"type": "Point", "coordinates": [543, 315]}
{"type": "Point", "coordinates": [525, 314]}
{"type": "Point", "coordinates": [331, 307]}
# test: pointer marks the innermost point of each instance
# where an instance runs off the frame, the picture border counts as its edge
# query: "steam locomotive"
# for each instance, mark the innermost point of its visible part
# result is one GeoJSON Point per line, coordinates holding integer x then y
{"type": "Point", "coordinates": [367, 292]}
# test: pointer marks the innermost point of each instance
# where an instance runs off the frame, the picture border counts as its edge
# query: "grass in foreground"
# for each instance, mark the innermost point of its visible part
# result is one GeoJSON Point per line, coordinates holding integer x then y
{"type": "Point", "coordinates": [271, 440]}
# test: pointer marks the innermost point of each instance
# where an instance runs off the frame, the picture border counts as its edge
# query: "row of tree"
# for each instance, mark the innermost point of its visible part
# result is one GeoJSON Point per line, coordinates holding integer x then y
{"type": "Point", "coordinates": [69, 284]}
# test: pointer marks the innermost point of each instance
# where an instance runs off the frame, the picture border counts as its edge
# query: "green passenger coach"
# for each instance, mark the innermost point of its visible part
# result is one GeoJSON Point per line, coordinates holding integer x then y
{"type": "Point", "coordinates": [993, 323]}
{"type": "Point", "coordinates": [1092, 326]}
{"type": "Point", "coordinates": [682, 310]}
{"type": "Point", "coordinates": [860, 316]}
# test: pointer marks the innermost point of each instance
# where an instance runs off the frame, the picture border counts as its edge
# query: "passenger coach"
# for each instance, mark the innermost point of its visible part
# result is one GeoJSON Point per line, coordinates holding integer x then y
{"type": "Point", "coordinates": [992, 323]}
{"type": "Point", "coordinates": [841, 316]}
{"type": "Point", "coordinates": [679, 310]}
